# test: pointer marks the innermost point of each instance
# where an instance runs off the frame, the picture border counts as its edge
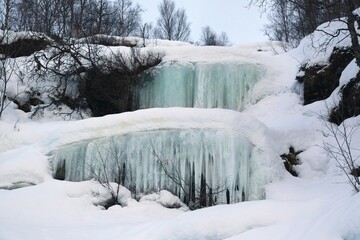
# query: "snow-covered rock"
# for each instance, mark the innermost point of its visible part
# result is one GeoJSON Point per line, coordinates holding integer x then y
{"type": "Point", "coordinates": [165, 198]}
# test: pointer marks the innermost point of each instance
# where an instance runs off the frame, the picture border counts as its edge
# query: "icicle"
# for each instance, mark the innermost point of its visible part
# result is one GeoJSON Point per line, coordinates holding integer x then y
{"type": "Point", "coordinates": [200, 85]}
{"type": "Point", "coordinates": [181, 161]}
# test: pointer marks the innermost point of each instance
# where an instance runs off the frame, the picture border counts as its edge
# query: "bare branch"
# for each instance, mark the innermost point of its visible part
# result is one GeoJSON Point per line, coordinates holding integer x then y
{"type": "Point", "coordinates": [342, 151]}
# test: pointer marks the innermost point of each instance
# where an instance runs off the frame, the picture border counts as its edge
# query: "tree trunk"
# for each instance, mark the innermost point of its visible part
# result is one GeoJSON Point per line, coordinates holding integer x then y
{"type": "Point", "coordinates": [7, 15]}
{"type": "Point", "coordinates": [351, 20]}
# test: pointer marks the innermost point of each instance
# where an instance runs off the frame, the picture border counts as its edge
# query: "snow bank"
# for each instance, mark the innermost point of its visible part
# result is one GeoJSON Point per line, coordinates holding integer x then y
{"type": "Point", "coordinates": [23, 167]}
{"type": "Point", "coordinates": [157, 119]}
{"type": "Point", "coordinates": [9, 36]}
{"type": "Point", "coordinates": [109, 40]}
{"type": "Point", "coordinates": [295, 209]}
{"type": "Point", "coordinates": [317, 47]}
{"type": "Point", "coordinates": [166, 199]}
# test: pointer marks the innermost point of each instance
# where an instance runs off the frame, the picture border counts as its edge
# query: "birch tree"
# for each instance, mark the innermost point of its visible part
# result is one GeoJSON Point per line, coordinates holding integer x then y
{"type": "Point", "coordinates": [172, 23]}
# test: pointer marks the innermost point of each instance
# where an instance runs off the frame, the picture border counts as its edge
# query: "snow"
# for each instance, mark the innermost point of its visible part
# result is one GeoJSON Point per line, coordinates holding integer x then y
{"type": "Point", "coordinates": [18, 168]}
{"type": "Point", "coordinates": [157, 118]}
{"type": "Point", "coordinates": [319, 204]}
{"type": "Point", "coordinates": [317, 47]}
{"type": "Point", "coordinates": [301, 210]}
{"type": "Point", "coordinates": [8, 36]}
{"type": "Point", "coordinates": [135, 41]}
{"type": "Point", "coordinates": [166, 199]}
{"type": "Point", "coordinates": [349, 72]}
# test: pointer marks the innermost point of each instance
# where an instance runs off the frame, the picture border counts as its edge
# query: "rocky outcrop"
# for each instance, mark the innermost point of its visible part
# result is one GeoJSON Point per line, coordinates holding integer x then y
{"type": "Point", "coordinates": [321, 80]}
{"type": "Point", "coordinates": [349, 105]}
{"type": "Point", "coordinates": [290, 160]}
{"type": "Point", "coordinates": [23, 47]}
{"type": "Point", "coordinates": [32, 99]}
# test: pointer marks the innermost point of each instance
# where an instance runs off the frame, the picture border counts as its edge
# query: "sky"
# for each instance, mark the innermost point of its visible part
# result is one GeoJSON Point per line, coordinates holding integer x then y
{"type": "Point", "coordinates": [242, 24]}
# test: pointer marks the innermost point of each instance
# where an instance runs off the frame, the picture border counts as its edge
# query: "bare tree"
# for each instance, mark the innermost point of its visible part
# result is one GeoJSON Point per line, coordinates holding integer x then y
{"type": "Point", "coordinates": [282, 26]}
{"type": "Point", "coordinates": [8, 71]}
{"type": "Point", "coordinates": [65, 23]}
{"type": "Point", "coordinates": [100, 17]}
{"type": "Point", "coordinates": [128, 18]}
{"type": "Point", "coordinates": [210, 38]}
{"type": "Point", "coordinates": [7, 11]}
{"type": "Point", "coordinates": [40, 15]}
{"type": "Point", "coordinates": [72, 18]}
{"type": "Point", "coordinates": [28, 15]}
{"type": "Point", "coordinates": [110, 171]}
{"type": "Point", "coordinates": [195, 195]}
{"type": "Point", "coordinates": [292, 20]}
{"type": "Point", "coordinates": [64, 64]}
{"type": "Point", "coordinates": [81, 8]}
{"type": "Point", "coordinates": [145, 32]}
{"type": "Point", "coordinates": [223, 39]}
{"type": "Point", "coordinates": [352, 19]}
{"type": "Point", "coordinates": [341, 148]}
{"type": "Point", "coordinates": [109, 88]}
{"type": "Point", "coordinates": [83, 79]}
{"type": "Point", "coordinates": [172, 23]}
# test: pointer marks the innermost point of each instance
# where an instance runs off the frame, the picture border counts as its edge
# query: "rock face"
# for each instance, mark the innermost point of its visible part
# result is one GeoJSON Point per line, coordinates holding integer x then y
{"type": "Point", "coordinates": [349, 105]}
{"type": "Point", "coordinates": [290, 160]}
{"type": "Point", "coordinates": [32, 99]}
{"type": "Point", "coordinates": [23, 47]}
{"type": "Point", "coordinates": [321, 80]}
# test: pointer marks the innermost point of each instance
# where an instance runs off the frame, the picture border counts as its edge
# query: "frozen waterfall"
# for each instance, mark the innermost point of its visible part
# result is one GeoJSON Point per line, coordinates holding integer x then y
{"type": "Point", "coordinates": [200, 85]}
{"type": "Point", "coordinates": [179, 160]}
{"type": "Point", "coordinates": [186, 151]}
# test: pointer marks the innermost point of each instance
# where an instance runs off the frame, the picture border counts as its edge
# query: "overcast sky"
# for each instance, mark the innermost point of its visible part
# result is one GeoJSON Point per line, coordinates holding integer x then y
{"type": "Point", "coordinates": [241, 24]}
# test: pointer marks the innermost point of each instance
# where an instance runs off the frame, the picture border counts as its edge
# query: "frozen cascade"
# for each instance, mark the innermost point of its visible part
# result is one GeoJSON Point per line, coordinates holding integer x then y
{"type": "Point", "coordinates": [144, 158]}
{"type": "Point", "coordinates": [201, 85]}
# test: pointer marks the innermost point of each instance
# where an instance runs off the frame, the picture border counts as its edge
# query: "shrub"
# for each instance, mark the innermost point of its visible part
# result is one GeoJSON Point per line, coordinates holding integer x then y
{"type": "Point", "coordinates": [108, 88]}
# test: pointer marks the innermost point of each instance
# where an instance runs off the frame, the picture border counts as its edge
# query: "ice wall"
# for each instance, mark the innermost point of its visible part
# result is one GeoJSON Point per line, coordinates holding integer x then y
{"type": "Point", "coordinates": [155, 160]}
{"type": "Point", "coordinates": [201, 85]}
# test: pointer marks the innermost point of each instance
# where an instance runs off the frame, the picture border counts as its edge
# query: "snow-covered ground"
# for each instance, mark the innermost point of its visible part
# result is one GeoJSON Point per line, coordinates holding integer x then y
{"type": "Point", "coordinates": [319, 204]}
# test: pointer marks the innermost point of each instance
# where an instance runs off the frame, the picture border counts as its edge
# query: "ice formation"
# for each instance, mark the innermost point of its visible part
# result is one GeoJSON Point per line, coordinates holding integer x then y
{"type": "Point", "coordinates": [185, 160]}
{"type": "Point", "coordinates": [174, 159]}
{"type": "Point", "coordinates": [202, 85]}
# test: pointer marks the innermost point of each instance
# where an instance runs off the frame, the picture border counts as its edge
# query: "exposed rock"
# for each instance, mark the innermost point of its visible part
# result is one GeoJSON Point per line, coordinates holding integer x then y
{"type": "Point", "coordinates": [25, 106]}
{"type": "Point", "coordinates": [321, 80]}
{"type": "Point", "coordinates": [355, 172]}
{"type": "Point", "coordinates": [108, 89]}
{"type": "Point", "coordinates": [60, 172]}
{"type": "Point", "coordinates": [349, 105]}
{"type": "Point", "coordinates": [23, 47]}
{"type": "Point", "coordinates": [17, 185]}
{"type": "Point", "coordinates": [33, 101]}
{"type": "Point", "coordinates": [107, 93]}
{"type": "Point", "coordinates": [291, 160]}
